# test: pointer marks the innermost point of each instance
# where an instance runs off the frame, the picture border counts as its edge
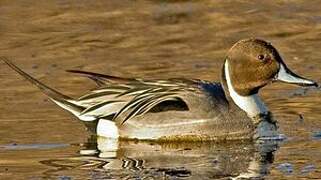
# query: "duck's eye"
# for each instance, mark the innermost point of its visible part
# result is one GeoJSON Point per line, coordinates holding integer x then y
{"type": "Point", "coordinates": [260, 57]}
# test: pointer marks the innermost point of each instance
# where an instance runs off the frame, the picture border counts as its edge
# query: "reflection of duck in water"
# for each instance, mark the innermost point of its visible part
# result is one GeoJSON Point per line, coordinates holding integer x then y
{"type": "Point", "coordinates": [183, 109]}
{"type": "Point", "coordinates": [194, 159]}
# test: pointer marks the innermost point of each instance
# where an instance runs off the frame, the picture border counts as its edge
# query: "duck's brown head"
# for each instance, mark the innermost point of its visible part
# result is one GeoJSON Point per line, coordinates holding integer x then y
{"type": "Point", "coordinates": [253, 63]}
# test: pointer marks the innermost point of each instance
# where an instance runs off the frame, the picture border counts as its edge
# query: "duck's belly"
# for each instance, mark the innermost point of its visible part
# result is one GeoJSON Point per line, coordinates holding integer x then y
{"type": "Point", "coordinates": [173, 126]}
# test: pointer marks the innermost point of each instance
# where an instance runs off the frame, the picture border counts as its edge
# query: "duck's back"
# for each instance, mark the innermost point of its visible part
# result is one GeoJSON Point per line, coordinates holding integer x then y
{"type": "Point", "coordinates": [166, 109]}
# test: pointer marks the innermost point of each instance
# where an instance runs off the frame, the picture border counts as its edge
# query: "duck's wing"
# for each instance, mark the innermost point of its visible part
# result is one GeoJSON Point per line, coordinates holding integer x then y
{"type": "Point", "coordinates": [123, 100]}
{"type": "Point", "coordinates": [154, 94]}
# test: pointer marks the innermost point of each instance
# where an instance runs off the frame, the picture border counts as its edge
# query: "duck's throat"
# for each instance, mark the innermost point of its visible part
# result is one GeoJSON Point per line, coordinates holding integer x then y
{"type": "Point", "coordinates": [252, 104]}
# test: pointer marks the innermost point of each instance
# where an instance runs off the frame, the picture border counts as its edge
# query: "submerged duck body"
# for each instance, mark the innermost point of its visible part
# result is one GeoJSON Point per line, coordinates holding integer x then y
{"type": "Point", "coordinates": [184, 109]}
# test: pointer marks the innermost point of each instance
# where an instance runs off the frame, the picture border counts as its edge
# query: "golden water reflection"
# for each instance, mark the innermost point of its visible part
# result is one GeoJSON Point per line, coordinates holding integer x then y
{"type": "Point", "coordinates": [130, 159]}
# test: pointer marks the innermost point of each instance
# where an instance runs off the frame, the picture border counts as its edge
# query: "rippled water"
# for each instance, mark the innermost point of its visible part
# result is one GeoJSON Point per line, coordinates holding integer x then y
{"type": "Point", "coordinates": [151, 39]}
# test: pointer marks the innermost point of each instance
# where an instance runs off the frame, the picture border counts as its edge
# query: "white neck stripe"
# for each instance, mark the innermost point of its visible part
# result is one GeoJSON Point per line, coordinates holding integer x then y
{"type": "Point", "coordinates": [252, 104]}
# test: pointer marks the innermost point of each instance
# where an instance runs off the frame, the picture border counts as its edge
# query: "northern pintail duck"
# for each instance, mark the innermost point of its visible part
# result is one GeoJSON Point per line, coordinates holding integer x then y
{"type": "Point", "coordinates": [184, 109]}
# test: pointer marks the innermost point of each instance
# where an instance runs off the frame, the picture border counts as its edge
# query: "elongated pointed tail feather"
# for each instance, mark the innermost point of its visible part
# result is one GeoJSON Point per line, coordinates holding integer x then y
{"type": "Point", "coordinates": [102, 79]}
{"type": "Point", "coordinates": [58, 98]}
